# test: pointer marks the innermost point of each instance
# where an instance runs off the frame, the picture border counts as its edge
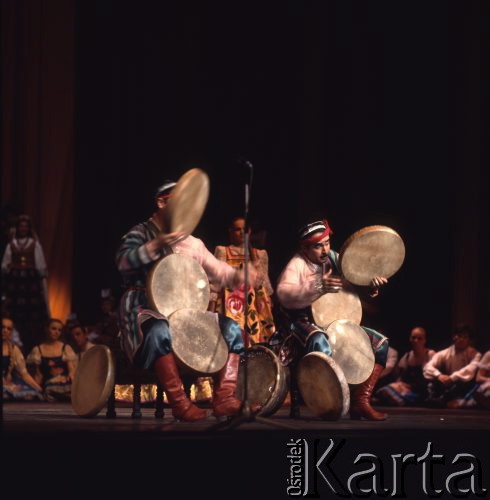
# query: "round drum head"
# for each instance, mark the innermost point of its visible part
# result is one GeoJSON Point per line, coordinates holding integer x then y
{"type": "Point", "coordinates": [197, 342]}
{"type": "Point", "coordinates": [344, 304]}
{"type": "Point", "coordinates": [351, 350]}
{"type": "Point", "coordinates": [370, 252]}
{"type": "Point", "coordinates": [323, 386]}
{"type": "Point", "coordinates": [188, 201]}
{"type": "Point", "coordinates": [266, 377]}
{"type": "Point", "coordinates": [177, 282]}
{"type": "Point", "coordinates": [93, 382]}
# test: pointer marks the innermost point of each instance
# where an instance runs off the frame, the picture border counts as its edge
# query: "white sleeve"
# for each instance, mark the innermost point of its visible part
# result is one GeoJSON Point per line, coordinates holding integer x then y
{"type": "Point", "coordinates": [468, 372]}
{"type": "Point", "coordinates": [220, 273]}
{"type": "Point", "coordinates": [7, 258]}
{"type": "Point", "coordinates": [431, 372]}
{"type": "Point", "coordinates": [293, 292]}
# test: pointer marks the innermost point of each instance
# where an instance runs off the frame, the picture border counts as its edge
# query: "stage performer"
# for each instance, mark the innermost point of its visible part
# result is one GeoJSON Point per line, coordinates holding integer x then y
{"type": "Point", "coordinates": [231, 302]}
{"type": "Point", "coordinates": [25, 272]}
{"type": "Point", "coordinates": [146, 336]}
{"type": "Point", "coordinates": [312, 272]}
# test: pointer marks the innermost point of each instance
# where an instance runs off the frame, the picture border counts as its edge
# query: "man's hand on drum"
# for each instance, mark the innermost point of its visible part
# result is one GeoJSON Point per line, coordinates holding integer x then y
{"type": "Point", "coordinates": [164, 240]}
{"type": "Point", "coordinates": [376, 283]}
{"type": "Point", "coordinates": [331, 284]}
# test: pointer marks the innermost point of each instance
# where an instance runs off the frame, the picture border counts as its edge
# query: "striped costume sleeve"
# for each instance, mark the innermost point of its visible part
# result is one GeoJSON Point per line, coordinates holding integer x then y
{"type": "Point", "coordinates": [133, 252]}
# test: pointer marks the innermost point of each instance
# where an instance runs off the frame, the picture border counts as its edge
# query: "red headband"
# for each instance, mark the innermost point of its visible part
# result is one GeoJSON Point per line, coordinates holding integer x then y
{"type": "Point", "coordinates": [316, 237]}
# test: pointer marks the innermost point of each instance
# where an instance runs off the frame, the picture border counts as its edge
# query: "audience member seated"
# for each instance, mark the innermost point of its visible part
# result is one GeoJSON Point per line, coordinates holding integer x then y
{"type": "Point", "coordinates": [17, 383]}
{"type": "Point", "coordinates": [79, 335]}
{"type": "Point", "coordinates": [410, 388]}
{"type": "Point", "coordinates": [482, 393]}
{"type": "Point", "coordinates": [479, 395]}
{"type": "Point", "coordinates": [54, 362]}
{"type": "Point", "coordinates": [106, 330]}
{"type": "Point", "coordinates": [389, 371]}
{"type": "Point", "coordinates": [451, 372]}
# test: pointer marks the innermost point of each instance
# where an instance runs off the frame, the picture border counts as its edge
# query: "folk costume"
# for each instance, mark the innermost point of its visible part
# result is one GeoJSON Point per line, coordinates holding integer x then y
{"type": "Point", "coordinates": [231, 303]}
{"type": "Point", "coordinates": [411, 387]}
{"type": "Point", "coordinates": [146, 337]}
{"type": "Point", "coordinates": [299, 285]}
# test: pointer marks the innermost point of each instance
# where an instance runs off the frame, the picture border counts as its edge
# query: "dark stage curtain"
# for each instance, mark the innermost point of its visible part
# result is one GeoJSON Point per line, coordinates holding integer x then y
{"type": "Point", "coordinates": [38, 129]}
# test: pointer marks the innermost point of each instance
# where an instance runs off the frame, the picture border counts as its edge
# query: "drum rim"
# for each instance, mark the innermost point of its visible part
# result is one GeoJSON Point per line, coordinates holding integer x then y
{"type": "Point", "coordinates": [370, 351]}
{"type": "Point", "coordinates": [366, 230]}
{"type": "Point", "coordinates": [176, 352]}
{"type": "Point", "coordinates": [108, 385]}
{"type": "Point", "coordinates": [153, 270]}
{"type": "Point", "coordinates": [340, 375]}
{"type": "Point", "coordinates": [180, 186]}
{"type": "Point", "coordinates": [350, 290]}
{"type": "Point", "coordinates": [280, 382]}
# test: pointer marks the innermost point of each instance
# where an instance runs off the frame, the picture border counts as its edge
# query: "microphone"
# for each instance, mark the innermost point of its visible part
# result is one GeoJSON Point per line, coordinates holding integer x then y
{"type": "Point", "coordinates": [246, 163]}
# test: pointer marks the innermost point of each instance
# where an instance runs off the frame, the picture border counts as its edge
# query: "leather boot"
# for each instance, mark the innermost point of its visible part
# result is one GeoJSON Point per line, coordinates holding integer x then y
{"type": "Point", "coordinates": [168, 375]}
{"type": "Point", "coordinates": [360, 406]}
{"type": "Point", "coordinates": [225, 404]}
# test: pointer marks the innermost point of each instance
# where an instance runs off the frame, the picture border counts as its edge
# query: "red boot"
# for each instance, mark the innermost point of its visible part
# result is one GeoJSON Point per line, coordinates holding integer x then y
{"type": "Point", "coordinates": [168, 374]}
{"type": "Point", "coordinates": [225, 404]}
{"type": "Point", "coordinates": [360, 406]}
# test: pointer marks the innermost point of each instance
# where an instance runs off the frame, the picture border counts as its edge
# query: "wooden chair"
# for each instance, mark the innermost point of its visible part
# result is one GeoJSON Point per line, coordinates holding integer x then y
{"type": "Point", "coordinates": [128, 374]}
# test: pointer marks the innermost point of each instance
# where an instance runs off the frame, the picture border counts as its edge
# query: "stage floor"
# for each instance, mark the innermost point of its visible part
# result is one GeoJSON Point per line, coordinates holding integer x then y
{"type": "Point", "coordinates": [131, 456]}
{"type": "Point", "coordinates": [40, 417]}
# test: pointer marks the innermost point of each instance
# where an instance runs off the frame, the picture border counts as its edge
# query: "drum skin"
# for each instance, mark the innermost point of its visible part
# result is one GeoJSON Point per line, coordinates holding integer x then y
{"type": "Point", "coordinates": [197, 342]}
{"type": "Point", "coordinates": [175, 282]}
{"type": "Point", "coordinates": [267, 380]}
{"type": "Point", "coordinates": [188, 201]}
{"type": "Point", "coordinates": [351, 350]}
{"type": "Point", "coordinates": [372, 251]}
{"type": "Point", "coordinates": [344, 304]}
{"type": "Point", "coordinates": [323, 386]}
{"type": "Point", "coordinates": [94, 381]}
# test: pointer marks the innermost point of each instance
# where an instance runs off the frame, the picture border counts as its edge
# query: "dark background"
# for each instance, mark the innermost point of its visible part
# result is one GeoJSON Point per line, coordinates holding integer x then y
{"type": "Point", "coordinates": [365, 113]}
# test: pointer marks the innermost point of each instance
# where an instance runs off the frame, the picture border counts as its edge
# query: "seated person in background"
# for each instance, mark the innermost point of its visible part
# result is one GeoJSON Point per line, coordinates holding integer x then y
{"type": "Point", "coordinates": [79, 335]}
{"type": "Point", "coordinates": [55, 363]}
{"type": "Point", "coordinates": [482, 393]}
{"type": "Point", "coordinates": [451, 372]}
{"type": "Point", "coordinates": [106, 330]}
{"type": "Point", "coordinates": [411, 387]}
{"type": "Point", "coordinates": [16, 381]}
{"type": "Point", "coordinates": [389, 371]}
{"type": "Point", "coordinates": [479, 395]}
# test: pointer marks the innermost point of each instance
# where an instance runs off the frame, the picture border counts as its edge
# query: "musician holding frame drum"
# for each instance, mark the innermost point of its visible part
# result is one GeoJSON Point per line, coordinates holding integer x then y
{"type": "Point", "coordinates": [146, 336]}
{"type": "Point", "coordinates": [312, 272]}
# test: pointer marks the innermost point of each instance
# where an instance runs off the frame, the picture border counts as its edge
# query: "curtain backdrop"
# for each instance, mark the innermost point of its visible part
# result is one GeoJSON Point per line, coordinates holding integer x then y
{"type": "Point", "coordinates": [38, 129]}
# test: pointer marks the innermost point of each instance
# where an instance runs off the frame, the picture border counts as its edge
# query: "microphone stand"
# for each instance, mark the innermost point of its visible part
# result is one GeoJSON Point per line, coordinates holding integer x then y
{"type": "Point", "coordinates": [246, 414]}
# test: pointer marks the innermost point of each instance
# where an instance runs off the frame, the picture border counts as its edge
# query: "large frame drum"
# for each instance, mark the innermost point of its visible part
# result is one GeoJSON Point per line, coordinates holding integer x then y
{"type": "Point", "coordinates": [197, 342]}
{"type": "Point", "coordinates": [94, 380]}
{"type": "Point", "coordinates": [323, 386]}
{"type": "Point", "coordinates": [188, 201]}
{"type": "Point", "coordinates": [267, 380]}
{"type": "Point", "coordinates": [372, 251]}
{"type": "Point", "coordinates": [175, 282]}
{"type": "Point", "coordinates": [351, 350]}
{"type": "Point", "coordinates": [344, 304]}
